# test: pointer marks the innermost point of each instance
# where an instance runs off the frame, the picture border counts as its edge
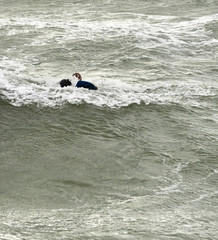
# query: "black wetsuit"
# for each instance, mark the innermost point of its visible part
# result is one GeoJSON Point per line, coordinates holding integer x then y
{"type": "Point", "coordinates": [65, 83]}
{"type": "Point", "coordinates": [85, 84]}
{"type": "Point", "coordinates": [80, 84]}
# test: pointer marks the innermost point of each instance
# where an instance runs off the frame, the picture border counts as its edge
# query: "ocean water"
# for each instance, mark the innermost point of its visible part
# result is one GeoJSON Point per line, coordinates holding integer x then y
{"type": "Point", "coordinates": [137, 159]}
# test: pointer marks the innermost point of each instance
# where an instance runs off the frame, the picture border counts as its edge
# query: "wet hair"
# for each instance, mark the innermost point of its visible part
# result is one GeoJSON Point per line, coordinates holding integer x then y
{"type": "Point", "coordinates": [78, 76]}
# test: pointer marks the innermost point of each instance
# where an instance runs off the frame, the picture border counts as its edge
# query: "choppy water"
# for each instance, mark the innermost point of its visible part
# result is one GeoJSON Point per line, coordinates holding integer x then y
{"type": "Point", "coordinates": [136, 159]}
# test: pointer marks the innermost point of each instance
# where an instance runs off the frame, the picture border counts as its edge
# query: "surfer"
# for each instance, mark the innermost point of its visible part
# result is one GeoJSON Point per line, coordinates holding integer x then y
{"type": "Point", "coordinates": [80, 83]}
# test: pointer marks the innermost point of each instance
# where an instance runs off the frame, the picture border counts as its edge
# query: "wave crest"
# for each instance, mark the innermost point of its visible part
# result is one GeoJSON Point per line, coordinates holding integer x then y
{"type": "Point", "coordinates": [112, 93]}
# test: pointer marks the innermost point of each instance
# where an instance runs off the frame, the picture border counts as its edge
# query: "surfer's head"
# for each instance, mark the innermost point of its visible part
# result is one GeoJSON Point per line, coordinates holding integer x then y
{"type": "Point", "coordinates": [77, 75]}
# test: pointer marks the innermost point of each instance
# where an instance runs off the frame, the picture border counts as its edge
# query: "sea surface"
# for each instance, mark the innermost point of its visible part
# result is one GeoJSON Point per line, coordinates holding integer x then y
{"type": "Point", "coordinates": [137, 159]}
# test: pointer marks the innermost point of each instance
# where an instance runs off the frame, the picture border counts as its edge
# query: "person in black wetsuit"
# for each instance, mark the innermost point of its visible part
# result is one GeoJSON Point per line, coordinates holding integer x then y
{"type": "Point", "coordinates": [65, 83]}
{"type": "Point", "coordinates": [84, 84]}
{"type": "Point", "coordinates": [80, 83]}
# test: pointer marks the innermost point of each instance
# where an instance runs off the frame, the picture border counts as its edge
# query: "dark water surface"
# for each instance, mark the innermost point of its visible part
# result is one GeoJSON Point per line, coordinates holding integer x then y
{"type": "Point", "coordinates": [136, 159]}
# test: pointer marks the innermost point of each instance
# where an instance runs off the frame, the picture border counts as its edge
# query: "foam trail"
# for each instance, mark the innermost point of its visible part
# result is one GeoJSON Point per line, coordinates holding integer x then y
{"type": "Point", "coordinates": [113, 93]}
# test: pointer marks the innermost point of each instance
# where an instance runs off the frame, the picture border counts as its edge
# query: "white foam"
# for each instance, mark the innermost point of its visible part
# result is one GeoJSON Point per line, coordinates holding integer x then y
{"type": "Point", "coordinates": [20, 88]}
{"type": "Point", "coordinates": [9, 237]}
{"type": "Point", "coordinates": [155, 30]}
{"type": "Point", "coordinates": [114, 93]}
{"type": "Point", "coordinates": [206, 196]}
